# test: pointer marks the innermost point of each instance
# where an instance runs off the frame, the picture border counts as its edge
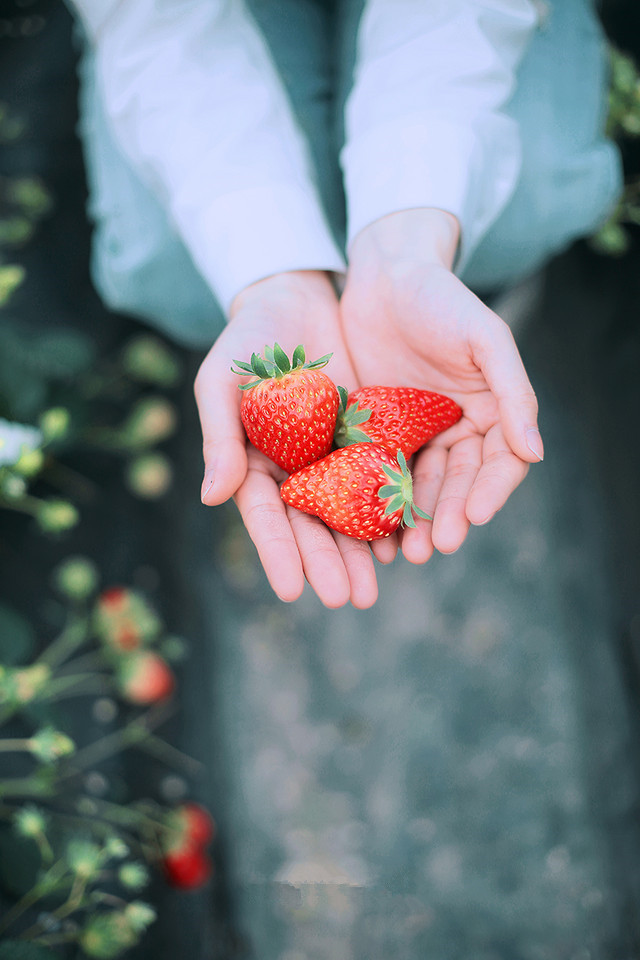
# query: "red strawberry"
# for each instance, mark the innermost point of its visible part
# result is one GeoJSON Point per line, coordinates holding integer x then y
{"type": "Point", "coordinates": [362, 490]}
{"type": "Point", "coordinates": [289, 410]}
{"type": "Point", "coordinates": [145, 677]}
{"type": "Point", "coordinates": [187, 867]}
{"type": "Point", "coordinates": [113, 599]}
{"type": "Point", "coordinates": [399, 418]}
{"type": "Point", "coordinates": [197, 824]}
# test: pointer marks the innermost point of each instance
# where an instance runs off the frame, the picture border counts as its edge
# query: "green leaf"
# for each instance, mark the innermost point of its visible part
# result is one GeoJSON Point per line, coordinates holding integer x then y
{"type": "Point", "coordinates": [351, 436]}
{"type": "Point", "coordinates": [356, 416]}
{"type": "Point", "coordinates": [421, 513]}
{"type": "Point", "coordinates": [298, 356]}
{"type": "Point", "coordinates": [402, 460]}
{"type": "Point", "coordinates": [393, 475]}
{"type": "Point", "coordinates": [17, 637]}
{"type": "Point", "coordinates": [258, 367]}
{"type": "Point", "coordinates": [395, 504]}
{"type": "Point", "coordinates": [246, 367]}
{"type": "Point", "coordinates": [320, 362]}
{"type": "Point", "coordinates": [280, 358]}
{"type": "Point", "coordinates": [388, 490]}
{"type": "Point", "coordinates": [344, 396]}
{"type": "Point", "coordinates": [24, 950]}
{"type": "Point", "coordinates": [407, 516]}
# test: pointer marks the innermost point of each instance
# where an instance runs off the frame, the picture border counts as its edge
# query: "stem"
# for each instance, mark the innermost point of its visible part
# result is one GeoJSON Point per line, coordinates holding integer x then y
{"type": "Point", "coordinates": [24, 787]}
{"type": "Point", "coordinates": [88, 661]}
{"type": "Point", "coordinates": [61, 685]}
{"type": "Point", "coordinates": [73, 635]}
{"type": "Point", "coordinates": [126, 816]}
{"type": "Point", "coordinates": [134, 732]}
{"type": "Point", "coordinates": [56, 872]}
{"type": "Point", "coordinates": [68, 480]}
{"type": "Point", "coordinates": [26, 504]}
{"type": "Point", "coordinates": [111, 899]}
{"type": "Point", "coordinates": [44, 847]}
{"type": "Point", "coordinates": [74, 899]}
{"type": "Point", "coordinates": [54, 939]}
{"type": "Point", "coordinates": [170, 754]}
{"type": "Point", "coordinates": [20, 743]}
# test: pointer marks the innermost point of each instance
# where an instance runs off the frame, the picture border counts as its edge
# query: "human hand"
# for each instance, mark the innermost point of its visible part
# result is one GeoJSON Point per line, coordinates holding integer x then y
{"type": "Point", "coordinates": [290, 309]}
{"type": "Point", "coordinates": [408, 321]}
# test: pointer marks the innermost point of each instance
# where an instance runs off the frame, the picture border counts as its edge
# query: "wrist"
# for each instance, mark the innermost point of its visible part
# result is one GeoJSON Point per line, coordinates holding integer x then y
{"type": "Point", "coordinates": [282, 286]}
{"type": "Point", "coordinates": [423, 235]}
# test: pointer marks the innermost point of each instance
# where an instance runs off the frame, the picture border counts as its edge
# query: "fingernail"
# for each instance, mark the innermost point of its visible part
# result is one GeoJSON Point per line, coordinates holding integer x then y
{"type": "Point", "coordinates": [534, 442]}
{"type": "Point", "coordinates": [207, 483]}
{"type": "Point", "coordinates": [481, 523]}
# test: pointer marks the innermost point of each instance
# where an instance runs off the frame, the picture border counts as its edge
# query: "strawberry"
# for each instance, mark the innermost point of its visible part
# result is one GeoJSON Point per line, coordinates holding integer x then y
{"type": "Point", "coordinates": [289, 410]}
{"type": "Point", "coordinates": [196, 823]}
{"type": "Point", "coordinates": [187, 867]}
{"type": "Point", "coordinates": [145, 677]}
{"type": "Point", "coordinates": [399, 418]}
{"type": "Point", "coordinates": [190, 829]}
{"type": "Point", "coordinates": [362, 490]}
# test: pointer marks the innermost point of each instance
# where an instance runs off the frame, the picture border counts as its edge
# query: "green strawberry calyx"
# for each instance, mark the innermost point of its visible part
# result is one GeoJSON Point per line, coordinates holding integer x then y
{"type": "Point", "coordinates": [275, 364]}
{"type": "Point", "coordinates": [349, 420]}
{"type": "Point", "coordinates": [399, 492]}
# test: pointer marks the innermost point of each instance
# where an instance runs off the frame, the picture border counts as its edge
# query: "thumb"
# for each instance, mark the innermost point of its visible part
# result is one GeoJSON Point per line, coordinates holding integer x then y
{"type": "Point", "coordinates": [498, 357]}
{"type": "Point", "coordinates": [223, 437]}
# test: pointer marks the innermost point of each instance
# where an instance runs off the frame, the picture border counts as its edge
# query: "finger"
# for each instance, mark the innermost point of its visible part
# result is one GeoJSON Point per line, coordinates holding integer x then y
{"type": "Point", "coordinates": [223, 438]}
{"type": "Point", "coordinates": [264, 515]}
{"type": "Point", "coordinates": [496, 353]}
{"type": "Point", "coordinates": [428, 475]}
{"type": "Point", "coordinates": [385, 550]}
{"type": "Point", "coordinates": [358, 562]}
{"type": "Point", "coordinates": [501, 472]}
{"type": "Point", "coordinates": [450, 523]}
{"type": "Point", "coordinates": [322, 562]}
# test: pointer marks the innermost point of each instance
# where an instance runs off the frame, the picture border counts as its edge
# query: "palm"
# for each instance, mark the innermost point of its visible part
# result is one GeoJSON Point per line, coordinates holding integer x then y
{"type": "Point", "coordinates": [292, 546]}
{"type": "Point", "coordinates": [417, 325]}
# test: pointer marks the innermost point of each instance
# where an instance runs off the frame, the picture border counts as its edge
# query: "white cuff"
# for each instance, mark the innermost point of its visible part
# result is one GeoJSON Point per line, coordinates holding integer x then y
{"type": "Point", "coordinates": [427, 160]}
{"type": "Point", "coordinates": [251, 234]}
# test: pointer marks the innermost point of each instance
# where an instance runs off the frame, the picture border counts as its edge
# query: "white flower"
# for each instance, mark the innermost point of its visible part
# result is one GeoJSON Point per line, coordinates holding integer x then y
{"type": "Point", "coordinates": [15, 438]}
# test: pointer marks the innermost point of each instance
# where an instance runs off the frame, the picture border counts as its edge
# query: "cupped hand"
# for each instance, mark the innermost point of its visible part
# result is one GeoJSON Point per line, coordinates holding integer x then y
{"type": "Point", "coordinates": [407, 320]}
{"type": "Point", "coordinates": [290, 309]}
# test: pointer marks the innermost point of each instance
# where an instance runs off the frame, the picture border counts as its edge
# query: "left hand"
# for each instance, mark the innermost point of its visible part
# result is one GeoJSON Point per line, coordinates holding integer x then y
{"type": "Point", "coordinates": [407, 320]}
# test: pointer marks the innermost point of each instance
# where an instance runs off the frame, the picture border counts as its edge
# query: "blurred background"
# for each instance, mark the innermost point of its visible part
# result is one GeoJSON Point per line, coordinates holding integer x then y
{"type": "Point", "coordinates": [453, 774]}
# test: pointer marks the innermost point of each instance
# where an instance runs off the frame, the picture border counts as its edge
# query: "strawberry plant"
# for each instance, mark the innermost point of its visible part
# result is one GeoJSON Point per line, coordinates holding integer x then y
{"type": "Point", "coordinates": [85, 673]}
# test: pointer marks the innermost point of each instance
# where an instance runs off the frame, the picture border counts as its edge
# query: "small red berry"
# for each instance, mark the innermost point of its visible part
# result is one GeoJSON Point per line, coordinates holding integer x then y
{"type": "Point", "coordinates": [126, 636]}
{"type": "Point", "coordinates": [146, 677]}
{"type": "Point", "coordinates": [113, 599]}
{"type": "Point", "coordinates": [187, 867]}
{"type": "Point", "coordinates": [197, 823]}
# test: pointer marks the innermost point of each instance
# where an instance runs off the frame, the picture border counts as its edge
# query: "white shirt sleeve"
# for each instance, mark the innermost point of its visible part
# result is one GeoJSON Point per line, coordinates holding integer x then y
{"type": "Point", "coordinates": [196, 104]}
{"type": "Point", "coordinates": [423, 121]}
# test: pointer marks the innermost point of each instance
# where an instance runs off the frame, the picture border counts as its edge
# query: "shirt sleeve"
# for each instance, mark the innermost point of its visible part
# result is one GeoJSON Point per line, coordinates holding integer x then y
{"type": "Point", "coordinates": [197, 106]}
{"type": "Point", "coordinates": [423, 122]}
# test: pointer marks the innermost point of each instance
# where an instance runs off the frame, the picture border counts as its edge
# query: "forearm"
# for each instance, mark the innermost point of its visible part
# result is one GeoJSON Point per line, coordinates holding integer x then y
{"type": "Point", "coordinates": [196, 105]}
{"type": "Point", "coordinates": [429, 88]}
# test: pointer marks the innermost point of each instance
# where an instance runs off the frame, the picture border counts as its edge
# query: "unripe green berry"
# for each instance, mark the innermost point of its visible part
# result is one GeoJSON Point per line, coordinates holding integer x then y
{"type": "Point", "coordinates": [76, 578]}
{"type": "Point", "coordinates": [56, 516]}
